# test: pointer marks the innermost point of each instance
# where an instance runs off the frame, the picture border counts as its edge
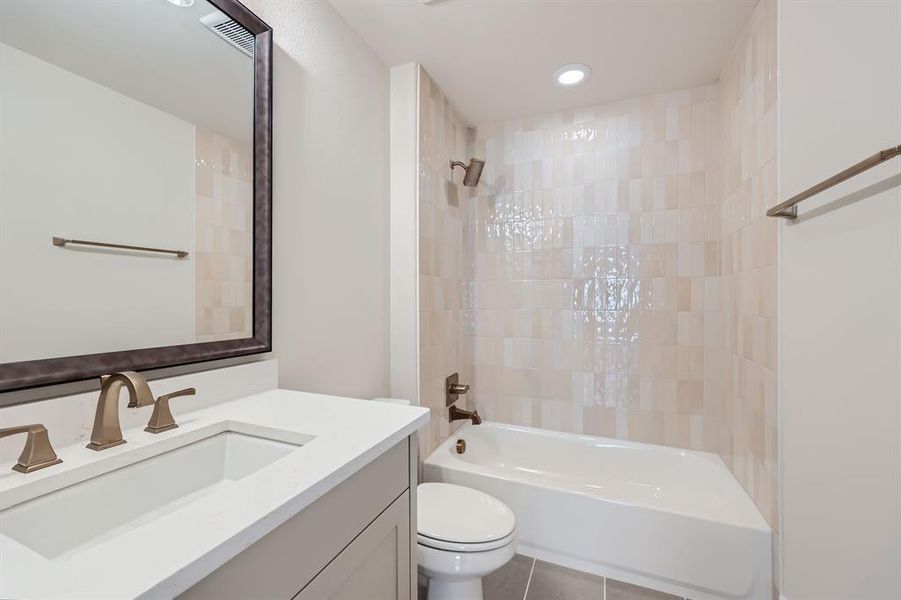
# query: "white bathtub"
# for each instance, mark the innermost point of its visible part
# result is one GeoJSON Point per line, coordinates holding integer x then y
{"type": "Point", "coordinates": [669, 519]}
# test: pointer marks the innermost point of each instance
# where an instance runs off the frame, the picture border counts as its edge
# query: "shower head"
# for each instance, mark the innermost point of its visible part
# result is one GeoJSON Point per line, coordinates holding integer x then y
{"type": "Point", "coordinates": [473, 171]}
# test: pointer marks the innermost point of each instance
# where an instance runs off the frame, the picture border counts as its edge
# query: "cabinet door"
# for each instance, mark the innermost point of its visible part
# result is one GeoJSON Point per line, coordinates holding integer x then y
{"type": "Point", "coordinates": [291, 555]}
{"type": "Point", "coordinates": [375, 565]}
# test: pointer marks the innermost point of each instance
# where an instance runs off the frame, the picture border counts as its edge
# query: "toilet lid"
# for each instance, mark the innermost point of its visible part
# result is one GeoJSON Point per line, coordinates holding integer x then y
{"type": "Point", "coordinates": [454, 513]}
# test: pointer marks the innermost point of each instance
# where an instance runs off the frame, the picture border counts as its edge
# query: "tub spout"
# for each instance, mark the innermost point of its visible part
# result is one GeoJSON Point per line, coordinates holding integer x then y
{"type": "Point", "coordinates": [455, 414]}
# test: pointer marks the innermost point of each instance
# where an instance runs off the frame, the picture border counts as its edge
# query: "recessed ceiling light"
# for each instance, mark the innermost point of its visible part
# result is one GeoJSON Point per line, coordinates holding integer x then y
{"type": "Point", "coordinates": [182, 3]}
{"type": "Point", "coordinates": [570, 75]}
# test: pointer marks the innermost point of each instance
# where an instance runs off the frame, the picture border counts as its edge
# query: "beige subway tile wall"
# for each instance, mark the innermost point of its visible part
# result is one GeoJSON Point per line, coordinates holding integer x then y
{"type": "Point", "coordinates": [749, 245]}
{"type": "Point", "coordinates": [223, 246]}
{"type": "Point", "coordinates": [596, 300]}
{"type": "Point", "coordinates": [444, 272]}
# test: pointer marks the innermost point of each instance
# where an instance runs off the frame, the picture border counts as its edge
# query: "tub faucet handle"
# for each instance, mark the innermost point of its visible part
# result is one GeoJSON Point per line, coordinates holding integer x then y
{"type": "Point", "coordinates": [454, 389]}
{"type": "Point", "coordinates": [458, 388]}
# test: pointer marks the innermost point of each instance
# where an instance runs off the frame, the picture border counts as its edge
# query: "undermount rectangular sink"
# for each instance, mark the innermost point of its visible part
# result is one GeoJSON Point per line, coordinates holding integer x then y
{"type": "Point", "coordinates": [101, 508]}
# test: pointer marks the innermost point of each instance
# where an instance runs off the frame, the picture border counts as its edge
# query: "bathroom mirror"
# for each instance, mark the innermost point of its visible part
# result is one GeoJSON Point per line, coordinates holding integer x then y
{"type": "Point", "coordinates": [135, 179]}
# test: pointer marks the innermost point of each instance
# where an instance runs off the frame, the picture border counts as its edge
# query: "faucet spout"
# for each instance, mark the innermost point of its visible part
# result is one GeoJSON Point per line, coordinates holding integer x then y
{"type": "Point", "coordinates": [107, 432]}
{"type": "Point", "coordinates": [454, 414]}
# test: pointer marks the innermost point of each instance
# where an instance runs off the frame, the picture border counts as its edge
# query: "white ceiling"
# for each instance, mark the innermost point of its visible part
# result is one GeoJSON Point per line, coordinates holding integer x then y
{"type": "Point", "coordinates": [149, 50]}
{"type": "Point", "coordinates": [495, 59]}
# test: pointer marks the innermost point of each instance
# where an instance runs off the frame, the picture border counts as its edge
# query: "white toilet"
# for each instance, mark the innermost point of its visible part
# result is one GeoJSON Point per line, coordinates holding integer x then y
{"type": "Point", "coordinates": [463, 535]}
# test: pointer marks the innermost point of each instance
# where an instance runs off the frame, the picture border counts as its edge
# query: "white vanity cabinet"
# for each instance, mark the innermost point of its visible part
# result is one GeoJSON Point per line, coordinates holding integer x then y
{"type": "Point", "coordinates": [355, 542]}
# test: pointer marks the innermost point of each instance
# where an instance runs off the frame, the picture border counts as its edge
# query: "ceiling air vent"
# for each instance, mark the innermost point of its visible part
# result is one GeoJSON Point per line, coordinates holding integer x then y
{"type": "Point", "coordinates": [230, 31]}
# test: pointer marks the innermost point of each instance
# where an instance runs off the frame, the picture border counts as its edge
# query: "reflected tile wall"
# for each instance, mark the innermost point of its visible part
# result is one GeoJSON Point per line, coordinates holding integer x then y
{"type": "Point", "coordinates": [748, 262]}
{"type": "Point", "coordinates": [223, 241]}
{"type": "Point", "coordinates": [445, 346]}
{"type": "Point", "coordinates": [596, 302]}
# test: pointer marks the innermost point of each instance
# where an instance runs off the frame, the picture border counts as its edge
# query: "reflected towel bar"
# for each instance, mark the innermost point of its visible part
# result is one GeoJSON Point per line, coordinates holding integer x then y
{"type": "Point", "coordinates": [789, 209]}
{"type": "Point", "coordinates": [58, 241]}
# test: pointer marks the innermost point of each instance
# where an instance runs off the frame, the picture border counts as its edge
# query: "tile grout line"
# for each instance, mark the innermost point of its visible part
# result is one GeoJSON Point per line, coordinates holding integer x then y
{"type": "Point", "coordinates": [605, 588]}
{"type": "Point", "coordinates": [529, 580]}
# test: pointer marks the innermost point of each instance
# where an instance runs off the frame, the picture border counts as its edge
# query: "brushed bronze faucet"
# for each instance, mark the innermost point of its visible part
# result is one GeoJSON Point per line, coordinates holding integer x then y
{"type": "Point", "coordinates": [453, 389]}
{"type": "Point", "coordinates": [107, 431]}
{"type": "Point", "coordinates": [38, 453]}
{"type": "Point", "coordinates": [162, 420]}
{"type": "Point", "coordinates": [454, 414]}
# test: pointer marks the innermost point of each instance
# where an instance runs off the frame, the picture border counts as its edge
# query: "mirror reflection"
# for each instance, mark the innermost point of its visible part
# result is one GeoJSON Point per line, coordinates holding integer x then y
{"type": "Point", "coordinates": [123, 124]}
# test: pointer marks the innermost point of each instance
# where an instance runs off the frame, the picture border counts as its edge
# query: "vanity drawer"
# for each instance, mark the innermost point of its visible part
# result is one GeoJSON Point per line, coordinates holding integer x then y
{"type": "Point", "coordinates": [289, 557]}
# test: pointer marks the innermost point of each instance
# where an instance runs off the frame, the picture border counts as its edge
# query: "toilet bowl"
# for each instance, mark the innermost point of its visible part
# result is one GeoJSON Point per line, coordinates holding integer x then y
{"type": "Point", "coordinates": [462, 535]}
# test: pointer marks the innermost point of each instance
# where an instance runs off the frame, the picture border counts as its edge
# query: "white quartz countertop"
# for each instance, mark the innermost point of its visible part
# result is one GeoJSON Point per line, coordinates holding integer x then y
{"type": "Point", "coordinates": [166, 556]}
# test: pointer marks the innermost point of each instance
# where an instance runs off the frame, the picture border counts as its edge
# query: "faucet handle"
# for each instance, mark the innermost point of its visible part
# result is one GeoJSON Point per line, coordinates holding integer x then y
{"type": "Point", "coordinates": [161, 420]}
{"type": "Point", "coordinates": [38, 453]}
{"type": "Point", "coordinates": [453, 389]}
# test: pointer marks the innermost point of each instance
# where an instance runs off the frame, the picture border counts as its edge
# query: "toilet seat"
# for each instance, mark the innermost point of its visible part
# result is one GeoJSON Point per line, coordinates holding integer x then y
{"type": "Point", "coordinates": [460, 519]}
{"type": "Point", "coordinates": [463, 547]}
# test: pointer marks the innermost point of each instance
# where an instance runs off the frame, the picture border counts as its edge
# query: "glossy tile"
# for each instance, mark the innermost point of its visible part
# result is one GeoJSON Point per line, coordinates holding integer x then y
{"type": "Point", "coordinates": [597, 254]}
{"type": "Point", "coordinates": [747, 292]}
{"type": "Point", "coordinates": [444, 272]}
{"type": "Point", "coordinates": [223, 251]}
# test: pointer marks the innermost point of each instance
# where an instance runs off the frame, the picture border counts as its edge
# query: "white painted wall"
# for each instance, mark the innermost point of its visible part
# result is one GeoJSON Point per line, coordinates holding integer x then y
{"type": "Point", "coordinates": [840, 101]}
{"type": "Point", "coordinates": [79, 160]}
{"type": "Point", "coordinates": [405, 232]}
{"type": "Point", "coordinates": [330, 202]}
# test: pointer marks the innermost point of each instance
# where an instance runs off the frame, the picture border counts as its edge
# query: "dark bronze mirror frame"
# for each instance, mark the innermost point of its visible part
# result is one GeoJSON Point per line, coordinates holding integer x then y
{"type": "Point", "coordinates": [33, 373]}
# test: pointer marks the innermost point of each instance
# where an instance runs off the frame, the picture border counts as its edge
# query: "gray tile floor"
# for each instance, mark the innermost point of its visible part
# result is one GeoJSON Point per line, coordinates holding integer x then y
{"type": "Point", "coordinates": [525, 578]}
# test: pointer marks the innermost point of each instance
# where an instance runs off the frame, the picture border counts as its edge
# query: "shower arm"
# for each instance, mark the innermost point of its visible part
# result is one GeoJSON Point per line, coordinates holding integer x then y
{"type": "Point", "coordinates": [457, 163]}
